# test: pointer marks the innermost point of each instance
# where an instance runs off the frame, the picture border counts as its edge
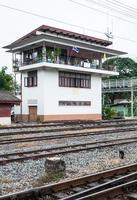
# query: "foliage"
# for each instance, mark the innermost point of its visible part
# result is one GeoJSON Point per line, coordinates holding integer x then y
{"type": "Point", "coordinates": [53, 55]}
{"type": "Point", "coordinates": [125, 66]}
{"type": "Point", "coordinates": [57, 52]}
{"type": "Point", "coordinates": [110, 97]}
{"type": "Point", "coordinates": [6, 80]}
{"type": "Point", "coordinates": [109, 112]}
{"type": "Point", "coordinates": [48, 179]}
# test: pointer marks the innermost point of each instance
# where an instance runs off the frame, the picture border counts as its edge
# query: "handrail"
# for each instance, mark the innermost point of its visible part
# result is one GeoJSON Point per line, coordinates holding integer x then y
{"type": "Point", "coordinates": [119, 83]}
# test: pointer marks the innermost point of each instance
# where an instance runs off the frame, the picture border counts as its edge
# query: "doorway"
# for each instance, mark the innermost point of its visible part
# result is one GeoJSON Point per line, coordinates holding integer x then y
{"type": "Point", "coordinates": [32, 113]}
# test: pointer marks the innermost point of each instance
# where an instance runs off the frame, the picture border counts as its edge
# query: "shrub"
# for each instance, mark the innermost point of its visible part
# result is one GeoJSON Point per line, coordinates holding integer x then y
{"type": "Point", "coordinates": [109, 113]}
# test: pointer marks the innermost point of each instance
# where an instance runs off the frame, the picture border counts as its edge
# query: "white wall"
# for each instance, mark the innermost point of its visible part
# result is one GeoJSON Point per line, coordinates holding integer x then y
{"type": "Point", "coordinates": [17, 108]}
{"type": "Point", "coordinates": [54, 93]}
{"type": "Point", "coordinates": [33, 95]}
{"type": "Point", "coordinates": [5, 120]}
{"type": "Point", "coordinates": [48, 94]}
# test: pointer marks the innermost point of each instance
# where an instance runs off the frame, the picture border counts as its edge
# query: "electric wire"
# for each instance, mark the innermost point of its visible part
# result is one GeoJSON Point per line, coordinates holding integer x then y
{"type": "Point", "coordinates": [66, 23]}
{"type": "Point", "coordinates": [128, 7]}
{"type": "Point", "coordinates": [101, 11]}
{"type": "Point", "coordinates": [44, 17]}
{"type": "Point", "coordinates": [114, 8]}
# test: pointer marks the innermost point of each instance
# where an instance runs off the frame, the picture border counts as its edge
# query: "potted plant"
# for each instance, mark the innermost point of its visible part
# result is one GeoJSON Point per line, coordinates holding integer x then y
{"type": "Point", "coordinates": [50, 56]}
{"type": "Point", "coordinates": [57, 52]}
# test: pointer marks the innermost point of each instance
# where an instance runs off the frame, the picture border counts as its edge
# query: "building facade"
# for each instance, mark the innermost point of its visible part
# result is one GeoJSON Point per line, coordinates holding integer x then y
{"type": "Point", "coordinates": [61, 74]}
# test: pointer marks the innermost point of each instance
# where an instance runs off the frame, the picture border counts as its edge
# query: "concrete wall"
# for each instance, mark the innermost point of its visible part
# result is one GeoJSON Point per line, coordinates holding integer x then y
{"type": "Point", "coordinates": [54, 93]}
{"type": "Point", "coordinates": [5, 120]}
{"type": "Point", "coordinates": [48, 94]}
{"type": "Point", "coordinates": [33, 95]}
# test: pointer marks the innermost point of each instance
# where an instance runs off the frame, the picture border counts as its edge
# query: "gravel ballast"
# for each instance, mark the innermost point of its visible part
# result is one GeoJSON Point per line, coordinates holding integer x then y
{"type": "Point", "coordinates": [24, 175]}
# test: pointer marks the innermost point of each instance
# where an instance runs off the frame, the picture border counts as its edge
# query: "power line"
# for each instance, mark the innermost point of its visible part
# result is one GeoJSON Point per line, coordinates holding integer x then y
{"type": "Point", "coordinates": [98, 10]}
{"type": "Point", "coordinates": [49, 18]}
{"type": "Point", "coordinates": [128, 7]}
{"type": "Point", "coordinates": [41, 16]}
{"type": "Point", "coordinates": [83, 5]}
{"type": "Point", "coordinates": [117, 8]}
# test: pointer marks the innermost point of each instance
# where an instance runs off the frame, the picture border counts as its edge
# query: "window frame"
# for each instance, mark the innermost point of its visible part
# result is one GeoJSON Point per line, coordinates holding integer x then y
{"type": "Point", "coordinates": [74, 103]}
{"type": "Point", "coordinates": [72, 79]}
{"type": "Point", "coordinates": [30, 81]}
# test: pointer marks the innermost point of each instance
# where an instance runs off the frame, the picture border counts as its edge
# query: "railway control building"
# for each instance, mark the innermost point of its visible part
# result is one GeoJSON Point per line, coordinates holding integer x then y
{"type": "Point", "coordinates": [61, 74]}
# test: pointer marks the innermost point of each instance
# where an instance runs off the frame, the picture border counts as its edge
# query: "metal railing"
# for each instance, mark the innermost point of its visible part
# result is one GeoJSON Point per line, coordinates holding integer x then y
{"type": "Point", "coordinates": [73, 61]}
{"type": "Point", "coordinates": [119, 83]}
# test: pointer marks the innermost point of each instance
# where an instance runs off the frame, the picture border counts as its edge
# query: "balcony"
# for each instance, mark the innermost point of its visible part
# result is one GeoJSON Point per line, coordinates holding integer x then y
{"type": "Point", "coordinates": [67, 58]}
{"type": "Point", "coordinates": [62, 60]}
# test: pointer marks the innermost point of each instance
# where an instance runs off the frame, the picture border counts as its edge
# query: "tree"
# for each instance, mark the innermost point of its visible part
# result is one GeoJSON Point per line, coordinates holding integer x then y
{"type": "Point", "coordinates": [125, 66]}
{"type": "Point", "coordinates": [6, 80]}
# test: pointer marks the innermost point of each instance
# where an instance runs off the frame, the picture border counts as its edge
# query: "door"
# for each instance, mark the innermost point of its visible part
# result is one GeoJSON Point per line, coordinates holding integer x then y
{"type": "Point", "coordinates": [32, 113]}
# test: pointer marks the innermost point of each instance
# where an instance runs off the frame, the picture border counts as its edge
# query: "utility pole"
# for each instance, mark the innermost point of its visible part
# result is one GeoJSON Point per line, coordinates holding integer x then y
{"type": "Point", "coordinates": [132, 100]}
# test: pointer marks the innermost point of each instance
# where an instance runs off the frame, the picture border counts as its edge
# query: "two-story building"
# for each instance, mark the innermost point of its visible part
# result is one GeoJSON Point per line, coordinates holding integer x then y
{"type": "Point", "coordinates": [60, 74]}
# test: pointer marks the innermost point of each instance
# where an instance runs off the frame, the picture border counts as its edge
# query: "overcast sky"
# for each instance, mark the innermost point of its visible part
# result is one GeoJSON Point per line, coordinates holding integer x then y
{"type": "Point", "coordinates": [83, 17]}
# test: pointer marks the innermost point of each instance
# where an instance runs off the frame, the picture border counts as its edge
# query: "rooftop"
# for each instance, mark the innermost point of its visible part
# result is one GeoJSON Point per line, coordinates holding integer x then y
{"type": "Point", "coordinates": [8, 97]}
{"type": "Point", "coordinates": [59, 32]}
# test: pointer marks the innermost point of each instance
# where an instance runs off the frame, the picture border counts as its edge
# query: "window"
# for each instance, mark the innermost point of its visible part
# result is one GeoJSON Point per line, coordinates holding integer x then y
{"type": "Point", "coordinates": [68, 79]}
{"type": "Point", "coordinates": [74, 103]}
{"type": "Point", "coordinates": [31, 80]}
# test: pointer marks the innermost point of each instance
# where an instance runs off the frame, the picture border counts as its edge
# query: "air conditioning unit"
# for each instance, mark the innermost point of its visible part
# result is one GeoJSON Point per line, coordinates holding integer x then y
{"type": "Point", "coordinates": [86, 65]}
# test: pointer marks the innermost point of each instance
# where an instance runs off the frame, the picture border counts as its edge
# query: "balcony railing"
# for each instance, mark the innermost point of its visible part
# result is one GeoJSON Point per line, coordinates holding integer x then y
{"type": "Point", "coordinates": [78, 62]}
{"type": "Point", "coordinates": [119, 83]}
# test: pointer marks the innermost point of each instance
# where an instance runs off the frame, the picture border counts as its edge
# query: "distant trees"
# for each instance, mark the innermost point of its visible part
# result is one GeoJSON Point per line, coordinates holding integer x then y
{"type": "Point", "coordinates": [6, 80]}
{"type": "Point", "coordinates": [125, 66]}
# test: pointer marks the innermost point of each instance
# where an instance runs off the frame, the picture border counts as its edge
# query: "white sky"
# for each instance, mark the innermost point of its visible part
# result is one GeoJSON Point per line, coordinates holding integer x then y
{"type": "Point", "coordinates": [15, 24]}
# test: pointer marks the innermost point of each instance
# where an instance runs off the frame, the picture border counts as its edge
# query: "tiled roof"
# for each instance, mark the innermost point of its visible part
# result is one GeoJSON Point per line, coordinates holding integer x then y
{"type": "Point", "coordinates": [8, 97]}
{"type": "Point", "coordinates": [62, 32]}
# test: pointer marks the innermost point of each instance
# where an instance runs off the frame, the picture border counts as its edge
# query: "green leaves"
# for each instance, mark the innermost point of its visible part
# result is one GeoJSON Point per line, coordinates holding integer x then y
{"type": "Point", "coordinates": [6, 80]}
{"type": "Point", "coordinates": [109, 112]}
{"type": "Point", "coordinates": [125, 66]}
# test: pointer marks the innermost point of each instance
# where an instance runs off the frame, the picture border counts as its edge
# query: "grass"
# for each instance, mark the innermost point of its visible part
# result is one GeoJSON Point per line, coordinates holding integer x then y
{"type": "Point", "coordinates": [48, 178]}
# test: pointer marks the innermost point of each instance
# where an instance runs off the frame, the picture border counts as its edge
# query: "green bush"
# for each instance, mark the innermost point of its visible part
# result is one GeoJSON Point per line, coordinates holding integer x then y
{"type": "Point", "coordinates": [109, 113]}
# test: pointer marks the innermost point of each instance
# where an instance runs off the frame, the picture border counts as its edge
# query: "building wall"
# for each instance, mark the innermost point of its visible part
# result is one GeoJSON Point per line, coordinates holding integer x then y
{"type": "Point", "coordinates": [5, 120]}
{"type": "Point", "coordinates": [5, 114]}
{"type": "Point", "coordinates": [56, 93]}
{"type": "Point", "coordinates": [47, 95]}
{"type": "Point", "coordinates": [33, 96]}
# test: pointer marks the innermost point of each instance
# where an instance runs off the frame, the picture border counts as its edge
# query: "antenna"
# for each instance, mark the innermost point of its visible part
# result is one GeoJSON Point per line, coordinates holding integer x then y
{"type": "Point", "coordinates": [109, 34]}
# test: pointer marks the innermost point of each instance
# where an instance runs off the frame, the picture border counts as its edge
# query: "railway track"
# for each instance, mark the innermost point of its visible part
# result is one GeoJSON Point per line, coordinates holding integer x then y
{"type": "Point", "coordinates": [100, 186]}
{"type": "Point", "coordinates": [49, 152]}
{"type": "Point", "coordinates": [69, 126]}
{"type": "Point", "coordinates": [64, 135]}
{"type": "Point", "coordinates": [62, 123]}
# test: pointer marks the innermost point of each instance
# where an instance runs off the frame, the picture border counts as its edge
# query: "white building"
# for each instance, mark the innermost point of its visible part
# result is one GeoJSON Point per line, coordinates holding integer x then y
{"type": "Point", "coordinates": [61, 74]}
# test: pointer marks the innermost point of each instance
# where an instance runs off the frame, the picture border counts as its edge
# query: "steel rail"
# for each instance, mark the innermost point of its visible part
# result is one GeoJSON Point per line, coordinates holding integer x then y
{"type": "Point", "coordinates": [112, 192]}
{"type": "Point", "coordinates": [66, 128]}
{"type": "Point", "coordinates": [68, 122]}
{"type": "Point", "coordinates": [63, 186]}
{"type": "Point", "coordinates": [66, 146]}
{"type": "Point", "coordinates": [63, 150]}
{"type": "Point", "coordinates": [63, 136]}
{"type": "Point", "coordinates": [103, 187]}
